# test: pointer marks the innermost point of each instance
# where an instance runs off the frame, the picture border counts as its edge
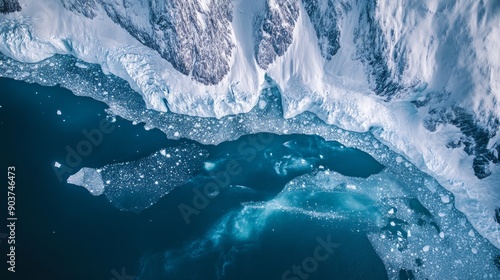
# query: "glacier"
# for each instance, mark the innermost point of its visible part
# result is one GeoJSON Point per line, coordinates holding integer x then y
{"type": "Point", "coordinates": [420, 76]}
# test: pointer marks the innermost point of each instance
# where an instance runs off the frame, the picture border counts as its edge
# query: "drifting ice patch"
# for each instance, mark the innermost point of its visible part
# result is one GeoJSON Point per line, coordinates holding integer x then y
{"type": "Point", "coordinates": [88, 178]}
{"type": "Point", "coordinates": [135, 186]}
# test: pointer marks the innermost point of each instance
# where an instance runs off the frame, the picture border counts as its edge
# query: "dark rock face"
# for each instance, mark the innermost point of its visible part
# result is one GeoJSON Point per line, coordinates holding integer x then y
{"type": "Point", "coordinates": [195, 39]}
{"type": "Point", "coordinates": [475, 139]}
{"type": "Point", "coordinates": [373, 52]}
{"type": "Point", "coordinates": [325, 16]}
{"type": "Point", "coordinates": [274, 30]}
{"type": "Point", "coordinates": [86, 8]}
{"type": "Point", "coordinates": [9, 6]}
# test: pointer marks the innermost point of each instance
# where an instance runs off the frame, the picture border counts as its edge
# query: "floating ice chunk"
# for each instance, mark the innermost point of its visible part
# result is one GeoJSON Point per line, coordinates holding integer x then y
{"type": "Point", "coordinates": [291, 163]}
{"type": "Point", "coordinates": [262, 104]}
{"type": "Point", "coordinates": [393, 224]}
{"type": "Point", "coordinates": [445, 198]}
{"type": "Point", "coordinates": [471, 233]}
{"type": "Point", "coordinates": [81, 65]}
{"type": "Point", "coordinates": [431, 185]}
{"type": "Point", "coordinates": [57, 164]}
{"type": "Point", "coordinates": [399, 159]}
{"type": "Point", "coordinates": [135, 186]}
{"type": "Point", "coordinates": [213, 192]}
{"type": "Point", "coordinates": [88, 178]}
{"type": "Point", "coordinates": [351, 187]}
{"type": "Point", "coordinates": [426, 248]}
{"type": "Point", "coordinates": [208, 165]}
{"type": "Point", "coordinates": [441, 234]}
{"type": "Point", "coordinates": [59, 112]}
{"type": "Point", "coordinates": [391, 211]}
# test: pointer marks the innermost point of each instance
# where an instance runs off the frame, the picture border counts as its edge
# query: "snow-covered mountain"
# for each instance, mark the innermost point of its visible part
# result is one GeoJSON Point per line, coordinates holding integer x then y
{"type": "Point", "coordinates": [423, 76]}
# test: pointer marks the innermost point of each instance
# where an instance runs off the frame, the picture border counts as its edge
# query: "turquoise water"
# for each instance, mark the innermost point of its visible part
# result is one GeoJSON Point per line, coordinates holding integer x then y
{"type": "Point", "coordinates": [66, 233]}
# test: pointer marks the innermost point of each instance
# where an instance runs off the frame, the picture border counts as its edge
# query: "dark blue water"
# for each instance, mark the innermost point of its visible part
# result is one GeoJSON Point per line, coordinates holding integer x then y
{"type": "Point", "coordinates": [63, 232]}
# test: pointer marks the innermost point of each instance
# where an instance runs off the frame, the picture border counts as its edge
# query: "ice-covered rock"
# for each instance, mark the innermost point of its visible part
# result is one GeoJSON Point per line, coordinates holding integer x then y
{"type": "Point", "coordinates": [194, 36]}
{"type": "Point", "coordinates": [274, 29]}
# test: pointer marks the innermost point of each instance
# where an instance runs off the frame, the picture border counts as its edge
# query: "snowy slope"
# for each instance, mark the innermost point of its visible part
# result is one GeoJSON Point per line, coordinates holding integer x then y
{"type": "Point", "coordinates": [423, 76]}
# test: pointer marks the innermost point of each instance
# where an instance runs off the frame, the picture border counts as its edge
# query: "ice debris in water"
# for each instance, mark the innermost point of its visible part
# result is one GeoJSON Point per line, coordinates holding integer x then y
{"type": "Point", "coordinates": [398, 216]}
{"type": "Point", "coordinates": [125, 102]}
{"type": "Point", "coordinates": [401, 218]}
{"type": "Point", "coordinates": [136, 185]}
